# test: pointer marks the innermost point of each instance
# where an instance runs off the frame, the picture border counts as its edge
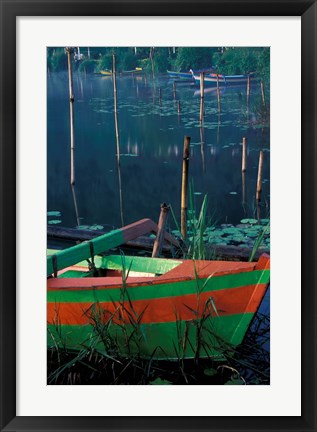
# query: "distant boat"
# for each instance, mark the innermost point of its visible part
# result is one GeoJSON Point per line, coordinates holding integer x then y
{"type": "Point", "coordinates": [152, 307]}
{"type": "Point", "coordinates": [105, 72]}
{"type": "Point", "coordinates": [187, 75]}
{"type": "Point", "coordinates": [180, 75]}
{"type": "Point", "coordinates": [137, 71]}
{"type": "Point", "coordinates": [224, 80]}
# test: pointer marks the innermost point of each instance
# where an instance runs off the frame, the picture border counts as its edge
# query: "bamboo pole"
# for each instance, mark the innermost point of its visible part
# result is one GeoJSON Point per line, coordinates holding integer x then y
{"type": "Point", "coordinates": [218, 93]}
{"type": "Point", "coordinates": [202, 84]}
{"type": "Point", "coordinates": [244, 154]}
{"type": "Point", "coordinates": [152, 61]}
{"type": "Point", "coordinates": [69, 52]}
{"type": "Point", "coordinates": [179, 106]}
{"type": "Point", "coordinates": [259, 181]}
{"type": "Point", "coordinates": [184, 196]}
{"type": "Point", "coordinates": [262, 92]}
{"type": "Point", "coordinates": [160, 230]}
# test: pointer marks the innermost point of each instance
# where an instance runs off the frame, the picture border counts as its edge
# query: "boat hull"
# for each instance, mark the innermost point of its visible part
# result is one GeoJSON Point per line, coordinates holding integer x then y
{"type": "Point", "coordinates": [194, 309]}
{"type": "Point", "coordinates": [180, 75]}
{"type": "Point", "coordinates": [223, 80]}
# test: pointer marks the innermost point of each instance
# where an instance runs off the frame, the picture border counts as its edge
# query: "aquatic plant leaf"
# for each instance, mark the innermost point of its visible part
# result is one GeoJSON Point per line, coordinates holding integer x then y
{"type": "Point", "coordinates": [235, 381]}
{"type": "Point", "coordinates": [96, 227]}
{"type": "Point", "coordinates": [54, 222]}
{"type": "Point", "coordinates": [54, 213]}
{"type": "Point", "coordinates": [82, 227]}
{"type": "Point", "coordinates": [233, 193]}
{"type": "Point", "coordinates": [249, 221]}
{"type": "Point", "coordinates": [159, 381]}
{"type": "Point", "coordinates": [210, 372]}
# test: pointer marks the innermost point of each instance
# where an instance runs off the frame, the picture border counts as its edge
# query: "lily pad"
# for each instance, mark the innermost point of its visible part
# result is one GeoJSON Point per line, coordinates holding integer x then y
{"type": "Point", "coordinates": [159, 381]}
{"type": "Point", "coordinates": [54, 213]}
{"type": "Point", "coordinates": [210, 372]}
{"type": "Point", "coordinates": [96, 227]}
{"type": "Point", "coordinates": [231, 230]}
{"type": "Point", "coordinates": [235, 381]}
{"type": "Point", "coordinates": [249, 221]}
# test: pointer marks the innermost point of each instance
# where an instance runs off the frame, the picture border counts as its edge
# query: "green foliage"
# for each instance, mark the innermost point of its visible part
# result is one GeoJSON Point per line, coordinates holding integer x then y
{"type": "Point", "coordinates": [126, 59]}
{"type": "Point", "coordinates": [193, 58]}
{"type": "Point", "coordinates": [161, 60]}
{"type": "Point", "coordinates": [57, 59]}
{"type": "Point", "coordinates": [230, 60]}
{"type": "Point", "coordinates": [88, 66]}
{"type": "Point", "coordinates": [104, 63]}
{"type": "Point", "coordinates": [258, 241]}
{"type": "Point", "coordinates": [242, 60]}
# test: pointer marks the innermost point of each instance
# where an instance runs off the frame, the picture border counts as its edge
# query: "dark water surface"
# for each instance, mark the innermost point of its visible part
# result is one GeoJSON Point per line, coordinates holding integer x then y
{"type": "Point", "coordinates": [151, 148]}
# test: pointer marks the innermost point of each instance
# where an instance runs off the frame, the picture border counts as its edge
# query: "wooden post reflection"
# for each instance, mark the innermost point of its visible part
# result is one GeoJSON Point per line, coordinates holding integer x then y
{"type": "Point", "coordinates": [259, 181]}
{"type": "Point", "coordinates": [75, 204]}
{"type": "Point", "coordinates": [117, 134]}
{"type": "Point", "coordinates": [202, 148]}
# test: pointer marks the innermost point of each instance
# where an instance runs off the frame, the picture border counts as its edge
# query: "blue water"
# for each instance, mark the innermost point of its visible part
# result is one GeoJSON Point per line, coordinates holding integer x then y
{"type": "Point", "coordinates": [151, 146]}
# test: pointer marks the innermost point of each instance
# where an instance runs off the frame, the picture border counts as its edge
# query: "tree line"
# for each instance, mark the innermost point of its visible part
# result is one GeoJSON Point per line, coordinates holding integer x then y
{"type": "Point", "coordinates": [225, 60]}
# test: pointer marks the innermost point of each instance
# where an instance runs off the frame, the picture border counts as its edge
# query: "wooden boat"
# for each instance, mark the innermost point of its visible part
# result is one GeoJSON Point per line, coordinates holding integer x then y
{"type": "Point", "coordinates": [136, 71]}
{"type": "Point", "coordinates": [223, 80]}
{"type": "Point", "coordinates": [180, 75]}
{"type": "Point", "coordinates": [187, 75]}
{"type": "Point", "coordinates": [105, 72]}
{"type": "Point", "coordinates": [150, 307]}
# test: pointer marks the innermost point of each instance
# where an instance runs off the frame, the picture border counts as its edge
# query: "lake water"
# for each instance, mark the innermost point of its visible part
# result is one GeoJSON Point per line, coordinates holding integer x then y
{"type": "Point", "coordinates": [151, 150]}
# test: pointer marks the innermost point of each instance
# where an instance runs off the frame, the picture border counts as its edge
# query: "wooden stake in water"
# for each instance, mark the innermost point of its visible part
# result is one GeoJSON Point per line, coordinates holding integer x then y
{"type": "Point", "coordinates": [202, 84]}
{"type": "Point", "coordinates": [184, 197]}
{"type": "Point", "coordinates": [262, 93]}
{"type": "Point", "coordinates": [248, 88]}
{"type": "Point", "coordinates": [244, 154]}
{"type": "Point", "coordinates": [259, 181]}
{"type": "Point", "coordinates": [218, 93]}
{"type": "Point", "coordinates": [69, 52]}
{"type": "Point", "coordinates": [160, 230]}
{"type": "Point", "coordinates": [179, 107]}
{"type": "Point", "coordinates": [160, 95]}
{"type": "Point", "coordinates": [152, 60]}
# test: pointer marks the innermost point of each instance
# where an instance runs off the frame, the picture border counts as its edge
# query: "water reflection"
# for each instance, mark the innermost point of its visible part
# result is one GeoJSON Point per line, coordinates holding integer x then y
{"type": "Point", "coordinates": [150, 138]}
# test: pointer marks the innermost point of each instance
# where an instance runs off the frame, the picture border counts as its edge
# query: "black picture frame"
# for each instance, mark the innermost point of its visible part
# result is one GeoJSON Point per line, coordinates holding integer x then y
{"type": "Point", "coordinates": [9, 11]}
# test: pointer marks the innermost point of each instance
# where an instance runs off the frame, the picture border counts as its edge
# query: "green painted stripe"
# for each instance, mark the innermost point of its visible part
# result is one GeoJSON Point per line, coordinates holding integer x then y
{"type": "Point", "coordinates": [155, 291]}
{"type": "Point", "coordinates": [166, 340]}
{"type": "Point", "coordinates": [139, 264]}
{"type": "Point", "coordinates": [75, 254]}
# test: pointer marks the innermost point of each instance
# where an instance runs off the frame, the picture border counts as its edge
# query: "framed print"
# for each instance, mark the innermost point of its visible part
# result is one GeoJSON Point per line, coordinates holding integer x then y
{"type": "Point", "coordinates": [104, 106]}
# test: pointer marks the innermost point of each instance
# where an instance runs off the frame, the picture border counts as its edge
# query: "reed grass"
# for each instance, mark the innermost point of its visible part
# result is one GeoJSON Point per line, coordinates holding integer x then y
{"type": "Point", "coordinates": [100, 359]}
